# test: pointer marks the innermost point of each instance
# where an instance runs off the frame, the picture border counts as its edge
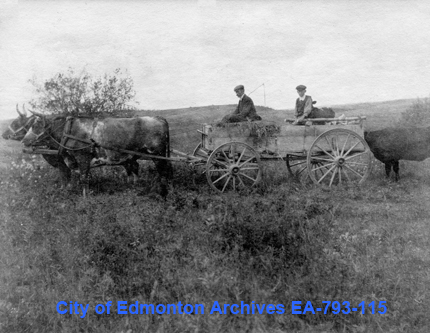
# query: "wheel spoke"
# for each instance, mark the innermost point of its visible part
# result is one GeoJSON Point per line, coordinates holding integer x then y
{"type": "Point", "coordinates": [325, 152]}
{"type": "Point", "coordinates": [352, 147]}
{"type": "Point", "coordinates": [241, 155]}
{"type": "Point", "coordinates": [323, 166]}
{"type": "Point", "coordinates": [233, 152]}
{"type": "Point", "coordinates": [332, 177]}
{"type": "Point", "coordinates": [248, 160]}
{"type": "Point", "coordinates": [344, 145]}
{"type": "Point", "coordinates": [337, 146]}
{"type": "Point", "coordinates": [321, 159]}
{"type": "Point", "coordinates": [234, 183]}
{"type": "Point", "coordinates": [355, 155]}
{"type": "Point", "coordinates": [301, 170]}
{"type": "Point", "coordinates": [320, 170]}
{"type": "Point", "coordinates": [325, 175]}
{"type": "Point", "coordinates": [347, 176]}
{"type": "Point", "coordinates": [357, 163]}
{"type": "Point", "coordinates": [240, 180]}
{"type": "Point", "coordinates": [227, 159]}
{"type": "Point", "coordinates": [354, 171]}
{"type": "Point", "coordinates": [225, 185]}
{"type": "Point", "coordinates": [256, 168]}
{"type": "Point", "coordinates": [329, 144]}
{"type": "Point", "coordinates": [298, 163]}
{"type": "Point", "coordinates": [223, 176]}
{"type": "Point", "coordinates": [219, 170]}
{"type": "Point", "coordinates": [245, 175]}
{"type": "Point", "coordinates": [340, 175]}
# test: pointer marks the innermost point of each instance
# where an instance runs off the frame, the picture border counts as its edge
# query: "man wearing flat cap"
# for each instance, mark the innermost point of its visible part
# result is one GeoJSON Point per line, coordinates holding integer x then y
{"type": "Point", "coordinates": [245, 110]}
{"type": "Point", "coordinates": [303, 107]}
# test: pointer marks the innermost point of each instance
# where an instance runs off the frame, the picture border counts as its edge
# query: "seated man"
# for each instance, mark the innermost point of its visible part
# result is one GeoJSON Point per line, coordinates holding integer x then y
{"type": "Point", "coordinates": [303, 106]}
{"type": "Point", "coordinates": [245, 110]}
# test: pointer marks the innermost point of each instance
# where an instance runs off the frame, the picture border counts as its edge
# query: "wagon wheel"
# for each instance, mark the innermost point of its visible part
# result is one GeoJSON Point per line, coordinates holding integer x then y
{"type": "Point", "coordinates": [339, 156]}
{"type": "Point", "coordinates": [297, 165]}
{"type": "Point", "coordinates": [233, 166]}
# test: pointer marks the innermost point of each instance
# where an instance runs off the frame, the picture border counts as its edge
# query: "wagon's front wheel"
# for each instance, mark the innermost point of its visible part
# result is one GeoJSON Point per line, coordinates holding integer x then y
{"type": "Point", "coordinates": [339, 156]}
{"type": "Point", "coordinates": [233, 166]}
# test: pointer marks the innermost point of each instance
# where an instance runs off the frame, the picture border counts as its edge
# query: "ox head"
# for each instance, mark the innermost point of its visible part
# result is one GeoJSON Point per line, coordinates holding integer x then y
{"type": "Point", "coordinates": [19, 127]}
{"type": "Point", "coordinates": [38, 132]}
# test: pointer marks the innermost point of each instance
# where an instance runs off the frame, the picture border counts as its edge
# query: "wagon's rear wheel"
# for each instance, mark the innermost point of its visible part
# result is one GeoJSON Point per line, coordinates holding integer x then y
{"type": "Point", "coordinates": [339, 156]}
{"type": "Point", "coordinates": [233, 166]}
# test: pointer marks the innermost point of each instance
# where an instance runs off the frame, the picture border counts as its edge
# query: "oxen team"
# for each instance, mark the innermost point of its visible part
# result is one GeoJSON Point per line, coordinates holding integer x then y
{"type": "Point", "coordinates": [81, 142]}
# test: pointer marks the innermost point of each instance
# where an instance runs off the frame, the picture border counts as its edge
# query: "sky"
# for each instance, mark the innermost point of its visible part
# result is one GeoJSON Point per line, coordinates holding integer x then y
{"type": "Point", "coordinates": [193, 53]}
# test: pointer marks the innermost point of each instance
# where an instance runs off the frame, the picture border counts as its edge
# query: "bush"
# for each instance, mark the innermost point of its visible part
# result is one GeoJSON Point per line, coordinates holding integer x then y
{"type": "Point", "coordinates": [417, 114]}
{"type": "Point", "coordinates": [70, 93]}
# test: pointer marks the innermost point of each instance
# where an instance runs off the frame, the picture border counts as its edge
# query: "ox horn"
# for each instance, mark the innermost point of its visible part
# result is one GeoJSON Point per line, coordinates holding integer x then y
{"type": "Point", "coordinates": [19, 112]}
{"type": "Point", "coordinates": [25, 111]}
{"type": "Point", "coordinates": [37, 113]}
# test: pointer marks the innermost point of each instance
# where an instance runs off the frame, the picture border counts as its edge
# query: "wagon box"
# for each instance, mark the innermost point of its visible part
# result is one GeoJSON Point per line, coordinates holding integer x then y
{"type": "Point", "coordinates": [271, 138]}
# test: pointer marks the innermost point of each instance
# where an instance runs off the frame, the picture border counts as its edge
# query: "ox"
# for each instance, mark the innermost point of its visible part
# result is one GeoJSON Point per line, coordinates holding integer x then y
{"type": "Point", "coordinates": [18, 129]}
{"type": "Point", "coordinates": [79, 139]}
{"type": "Point", "coordinates": [321, 112]}
{"type": "Point", "coordinates": [389, 145]}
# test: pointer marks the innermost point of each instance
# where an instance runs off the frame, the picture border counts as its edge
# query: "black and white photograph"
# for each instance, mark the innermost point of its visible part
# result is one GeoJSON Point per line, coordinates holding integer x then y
{"type": "Point", "coordinates": [214, 166]}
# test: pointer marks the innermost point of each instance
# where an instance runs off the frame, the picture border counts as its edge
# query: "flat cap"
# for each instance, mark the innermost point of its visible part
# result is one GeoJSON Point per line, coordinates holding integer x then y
{"type": "Point", "coordinates": [239, 87]}
{"type": "Point", "coordinates": [301, 87]}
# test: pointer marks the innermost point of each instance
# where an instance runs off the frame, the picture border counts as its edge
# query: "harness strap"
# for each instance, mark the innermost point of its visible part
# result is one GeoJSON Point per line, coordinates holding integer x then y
{"type": "Point", "coordinates": [68, 136]}
{"type": "Point", "coordinates": [23, 127]}
{"type": "Point", "coordinates": [66, 132]}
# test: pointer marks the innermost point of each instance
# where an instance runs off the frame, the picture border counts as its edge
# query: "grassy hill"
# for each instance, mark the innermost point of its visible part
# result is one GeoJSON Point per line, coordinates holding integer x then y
{"type": "Point", "coordinates": [378, 114]}
{"type": "Point", "coordinates": [282, 241]}
{"type": "Point", "coordinates": [185, 122]}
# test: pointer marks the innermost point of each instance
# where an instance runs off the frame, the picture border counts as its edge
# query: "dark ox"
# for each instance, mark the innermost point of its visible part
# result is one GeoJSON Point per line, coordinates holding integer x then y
{"type": "Point", "coordinates": [321, 113]}
{"type": "Point", "coordinates": [390, 145]}
{"type": "Point", "coordinates": [19, 128]}
{"type": "Point", "coordinates": [80, 139]}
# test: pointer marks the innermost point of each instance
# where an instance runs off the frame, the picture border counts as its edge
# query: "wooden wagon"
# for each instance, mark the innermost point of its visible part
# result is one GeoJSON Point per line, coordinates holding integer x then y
{"type": "Point", "coordinates": [327, 151]}
{"type": "Point", "coordinates": [331, 153]}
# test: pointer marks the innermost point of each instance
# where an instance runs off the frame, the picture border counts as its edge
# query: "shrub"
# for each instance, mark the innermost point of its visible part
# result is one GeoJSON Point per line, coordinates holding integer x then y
{"type": "Point", "coordinates": [417, 114]}
{"type": "Point", "coordinates": [71, 93]}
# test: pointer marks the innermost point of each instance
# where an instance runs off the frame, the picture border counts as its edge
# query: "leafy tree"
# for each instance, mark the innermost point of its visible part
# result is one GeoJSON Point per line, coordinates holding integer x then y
{"type": "Point", "coordinates": [73, 94]}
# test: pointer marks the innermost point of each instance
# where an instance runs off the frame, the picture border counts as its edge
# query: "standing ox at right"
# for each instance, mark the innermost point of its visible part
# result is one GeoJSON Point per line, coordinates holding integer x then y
{"type": "Point", "coordinates": [390, 145]}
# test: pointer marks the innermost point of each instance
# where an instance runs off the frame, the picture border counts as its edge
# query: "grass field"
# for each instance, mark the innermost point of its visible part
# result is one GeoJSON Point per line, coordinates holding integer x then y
{"type": "Point", "coordinates": [280, 242]}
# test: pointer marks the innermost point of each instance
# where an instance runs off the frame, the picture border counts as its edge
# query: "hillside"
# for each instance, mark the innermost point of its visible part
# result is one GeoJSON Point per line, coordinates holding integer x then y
{"type": "Point", "coordinates": [185, 122]}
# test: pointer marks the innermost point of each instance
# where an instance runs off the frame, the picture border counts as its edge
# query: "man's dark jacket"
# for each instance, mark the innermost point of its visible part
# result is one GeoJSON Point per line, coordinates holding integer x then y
{"type": "Point", "coordinates": [246, 109]}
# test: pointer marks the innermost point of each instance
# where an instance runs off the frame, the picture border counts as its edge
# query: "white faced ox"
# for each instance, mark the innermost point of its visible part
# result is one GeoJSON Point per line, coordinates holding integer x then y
{"type": "Point", "coordinates": [81, 138]}
{"type": "Point", "coordinates": [390, 145]}
{"type": "Point", "coordinates": [19, 127]}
